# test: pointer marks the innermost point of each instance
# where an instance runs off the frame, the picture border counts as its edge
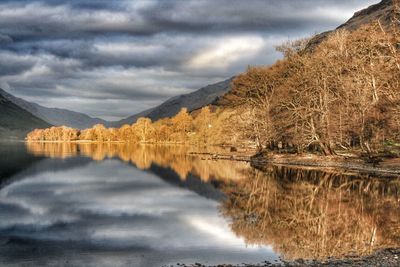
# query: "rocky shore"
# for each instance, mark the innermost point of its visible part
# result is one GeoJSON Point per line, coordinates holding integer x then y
{"type": "Point", "coordinates": [382, 258]}
{"type": "Point", "coordinates": [375, 166]}
{"type": "Point", "coordinates": [384, 167]}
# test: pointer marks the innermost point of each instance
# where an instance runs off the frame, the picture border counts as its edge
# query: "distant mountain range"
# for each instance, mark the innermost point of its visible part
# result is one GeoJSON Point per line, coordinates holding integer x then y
{"type": "Point", "coordinates": [16, 122]}
{"type": "Point", "coordinates": [58, 117]}
{"type": "Point", "coordinates": [54, 116]}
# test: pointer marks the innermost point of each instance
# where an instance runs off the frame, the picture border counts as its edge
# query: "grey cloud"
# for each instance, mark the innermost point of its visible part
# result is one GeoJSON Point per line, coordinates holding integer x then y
{"type": "Point", "coordinates": [173, 16]}
{"type": "Point", "coordinates": [5, 39]}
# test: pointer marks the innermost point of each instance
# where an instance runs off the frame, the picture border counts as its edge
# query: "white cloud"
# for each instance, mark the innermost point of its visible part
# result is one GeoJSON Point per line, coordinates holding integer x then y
{"type": "Point", "coordinates": [127, 48]}
{"type": "Point", "coordinates": [227, 51]}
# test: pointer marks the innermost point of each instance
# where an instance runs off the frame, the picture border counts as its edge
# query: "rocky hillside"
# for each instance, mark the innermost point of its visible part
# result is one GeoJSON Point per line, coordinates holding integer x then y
{"type": "Point", "coordinates": [382, 11]}
{"type": "Point", "coordinates": [16, 122]}
{"type": "Point", "coordinates": [200, 98]}
{"type": "Point", "coordinates": [54, 116]}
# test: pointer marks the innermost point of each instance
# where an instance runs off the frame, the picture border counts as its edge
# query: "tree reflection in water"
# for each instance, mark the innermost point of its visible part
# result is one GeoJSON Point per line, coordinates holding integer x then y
{"type": "Point", "coordinates": [301, 213]}
{"type": "Point", "coordinates": [177, 158]}
{"type": "Point", "coordinates": [313, 214]}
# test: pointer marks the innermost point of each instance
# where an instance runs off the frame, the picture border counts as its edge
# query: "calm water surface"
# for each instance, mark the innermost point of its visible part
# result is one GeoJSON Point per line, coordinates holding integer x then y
{"type": "Point", "coordinates": [120, 205]}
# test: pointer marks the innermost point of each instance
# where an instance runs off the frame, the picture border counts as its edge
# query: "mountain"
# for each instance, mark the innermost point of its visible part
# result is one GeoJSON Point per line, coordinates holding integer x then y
{"type": "Point", "coordinates": [382, 11]}
{"type": "Point", "coordinates": [195, 100]}
{"type": "Point", "coordinates": [54, 116]}
{"type": "Point", "coordinates": [16, 122]}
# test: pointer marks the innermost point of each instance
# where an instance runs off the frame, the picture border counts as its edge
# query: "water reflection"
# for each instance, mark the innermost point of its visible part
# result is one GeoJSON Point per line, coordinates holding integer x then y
{"type": "Point", "coordinates": [313, 214]}
{"type": "Point", "coordinates": [73, 211]}
{"type": "Point", "coordinates": [177, 158]}
{"type": "Point", "coordinates": [14, 159]}
{"type": "Point", "coordinates": [177, 207]}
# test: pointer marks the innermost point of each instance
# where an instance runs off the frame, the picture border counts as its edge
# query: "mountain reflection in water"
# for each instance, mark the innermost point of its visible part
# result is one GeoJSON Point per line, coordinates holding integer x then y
{"type": "Point", "coordinates": [298, 213]}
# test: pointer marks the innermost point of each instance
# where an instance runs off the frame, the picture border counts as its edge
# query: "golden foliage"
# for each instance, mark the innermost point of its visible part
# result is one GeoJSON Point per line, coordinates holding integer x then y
{"type": "Point", "coordinates": [205, 127]}
{"type": "Point", "coordinates": [346, 93]}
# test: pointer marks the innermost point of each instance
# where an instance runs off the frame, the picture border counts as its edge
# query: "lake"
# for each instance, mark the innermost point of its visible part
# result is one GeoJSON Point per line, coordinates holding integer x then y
{"type": "Point", "coordinates": [126, 205]}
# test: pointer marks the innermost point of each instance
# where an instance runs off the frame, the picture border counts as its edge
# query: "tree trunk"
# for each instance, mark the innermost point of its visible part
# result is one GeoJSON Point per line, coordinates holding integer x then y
{"type": "Point", "coordinates": [326, 149]}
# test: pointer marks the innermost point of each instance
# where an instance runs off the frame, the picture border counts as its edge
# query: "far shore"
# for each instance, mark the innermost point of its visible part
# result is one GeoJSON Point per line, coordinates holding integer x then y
{"type": "Point", "coordinates": [105, 142]}
{"type": "Point", "coordinates": [76, 142]}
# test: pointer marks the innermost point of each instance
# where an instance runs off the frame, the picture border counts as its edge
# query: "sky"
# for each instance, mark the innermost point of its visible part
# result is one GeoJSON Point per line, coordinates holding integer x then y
{"type": "Point", "coordinates": [113, 59]}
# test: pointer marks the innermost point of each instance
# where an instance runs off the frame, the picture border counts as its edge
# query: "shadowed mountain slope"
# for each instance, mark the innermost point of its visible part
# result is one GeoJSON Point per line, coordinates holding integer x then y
{"type": "Point", "coordinates": [16, 122]}
{"type": "Point", "coordinates": [195, 100]}
{"type": "Point", "coordinates": [54, 116]}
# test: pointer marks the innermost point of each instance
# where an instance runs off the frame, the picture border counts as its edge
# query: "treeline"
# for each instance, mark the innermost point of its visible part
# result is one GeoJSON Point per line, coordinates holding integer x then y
{"type": "Point", "coordinates": [201, 127]}
{"type": "Point", "coordinates": [344, 94]}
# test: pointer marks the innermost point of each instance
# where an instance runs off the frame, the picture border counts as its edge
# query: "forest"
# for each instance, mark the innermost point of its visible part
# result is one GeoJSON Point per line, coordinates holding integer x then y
{"type": "Point", "coordinates": [341, 94]}
{"type": "Point", "coordinates": [344, 94]}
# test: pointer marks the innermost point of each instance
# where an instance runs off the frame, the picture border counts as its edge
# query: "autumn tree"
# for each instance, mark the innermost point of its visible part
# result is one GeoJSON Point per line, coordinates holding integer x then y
{"type": "Point", "coordinates": [114, 135]}
{"type": "Point", "coordinates": [203, 124]}
{"type": "Point", "coordinates": [144, 129]}
{"type": "Point", "coordinates": [182, 125]}
{"type": "Point", "coordinates": [56, 134]}
{"type": "Point", "coordinates": [127, 134]}
{"type": "Point", "coordinates": [163, 130]}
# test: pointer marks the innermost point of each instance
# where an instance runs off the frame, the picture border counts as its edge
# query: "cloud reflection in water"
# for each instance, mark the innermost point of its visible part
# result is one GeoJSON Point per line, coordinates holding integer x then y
{"type": "Point", "coordinates": [108, 206]}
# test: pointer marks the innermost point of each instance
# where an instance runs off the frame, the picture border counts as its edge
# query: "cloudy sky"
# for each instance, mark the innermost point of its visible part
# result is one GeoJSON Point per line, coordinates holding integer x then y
{"type": "Point", "coordinates": [112, 59]}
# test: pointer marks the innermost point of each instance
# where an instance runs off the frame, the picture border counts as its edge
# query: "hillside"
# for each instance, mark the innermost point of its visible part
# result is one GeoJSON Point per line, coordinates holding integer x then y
{"type": "Point", "coordinates": [343, 94]}
{"type": "Point", "coordinates": [381, 11]}
{"type": "Point", "coordinates": [16, 122]}
{"type": "Point", "coordinates": [54, 116]}
{"type": "Point", "coordinates": [198, 99]}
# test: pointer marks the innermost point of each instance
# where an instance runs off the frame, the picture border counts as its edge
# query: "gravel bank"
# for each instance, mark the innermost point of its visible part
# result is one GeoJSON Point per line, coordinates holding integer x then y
{"type": "Point", "coordinates": [383, 258]}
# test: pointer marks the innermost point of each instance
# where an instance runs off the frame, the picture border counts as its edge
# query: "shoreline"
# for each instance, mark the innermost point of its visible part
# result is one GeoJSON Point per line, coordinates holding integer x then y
{"type": "Point", "coordinates": [107, 142]}
{"type": "Point", "coordinates": [386, 258]}
{"type": "Point", "coordinates": [387, 167]}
